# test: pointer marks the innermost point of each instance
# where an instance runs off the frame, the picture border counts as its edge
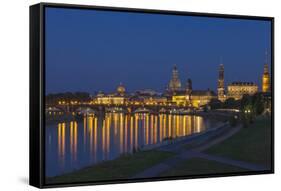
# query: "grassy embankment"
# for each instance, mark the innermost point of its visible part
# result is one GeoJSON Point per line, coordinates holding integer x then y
{"type": "Point", "coordinates": [251, 144]}
{"type": "Point", "coordinates": [198, 166]}
{"type": "Point", "coordinates": [121, 168]}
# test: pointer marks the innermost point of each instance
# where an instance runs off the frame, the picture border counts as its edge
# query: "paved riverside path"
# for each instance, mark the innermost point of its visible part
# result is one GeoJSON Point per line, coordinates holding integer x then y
{"type": "Point", "coordinates": [185, 154]}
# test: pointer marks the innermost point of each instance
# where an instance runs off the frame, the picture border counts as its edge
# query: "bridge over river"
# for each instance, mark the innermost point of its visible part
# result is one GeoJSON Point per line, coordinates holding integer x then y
{"type": "Point", "coordinates": [127, 108]}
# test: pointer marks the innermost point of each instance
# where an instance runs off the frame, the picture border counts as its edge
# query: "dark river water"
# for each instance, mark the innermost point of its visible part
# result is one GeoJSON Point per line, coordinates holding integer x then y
{"type": "Point", "coordinates": [73, 145]}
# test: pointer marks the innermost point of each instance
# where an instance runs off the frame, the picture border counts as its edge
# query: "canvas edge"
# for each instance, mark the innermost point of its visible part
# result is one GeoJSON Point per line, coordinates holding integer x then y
{"type": "Point", "coordinates": [37, 86]}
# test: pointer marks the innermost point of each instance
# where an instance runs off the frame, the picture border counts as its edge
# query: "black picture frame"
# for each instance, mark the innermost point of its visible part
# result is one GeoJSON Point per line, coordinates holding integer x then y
{"type": "Point", "coordinates": [37, 92]}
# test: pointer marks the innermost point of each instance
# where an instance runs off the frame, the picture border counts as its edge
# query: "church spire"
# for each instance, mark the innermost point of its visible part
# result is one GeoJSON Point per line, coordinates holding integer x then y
{"type": "Point", "coordinates": [188, 86]}
{"type": "Point", "coordinates": [265, 68]}
{"type": "Point", "coordinates": [266, 75]}
{"type": "Point", "coordinates": [221, 92]}
{"type": "Point", "coordinates": [175, 83]}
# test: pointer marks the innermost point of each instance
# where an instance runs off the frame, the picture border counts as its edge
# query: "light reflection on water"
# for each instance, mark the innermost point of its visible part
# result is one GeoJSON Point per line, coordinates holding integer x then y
{"type": "Point", "coordinates": [75, 144]}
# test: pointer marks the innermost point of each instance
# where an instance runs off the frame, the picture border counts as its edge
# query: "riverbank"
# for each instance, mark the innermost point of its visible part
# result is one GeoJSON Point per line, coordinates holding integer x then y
{"type": "Point", "coordinates": [217, 115]}
{"type": "Point", "coordinates": [196, 137]}
{"type": "Point", "coordinates": [210, 115]}
{"type": "Point", "coordinates": [121, 168]}
{"type": "Point", "coordinates": [247, 150]}
{"type": "Point", "coordinates": [251, 144]}
{"type": "Point", "coordinates": [130, 164]}
{"type": "Point", "coordinates": [226, 150]}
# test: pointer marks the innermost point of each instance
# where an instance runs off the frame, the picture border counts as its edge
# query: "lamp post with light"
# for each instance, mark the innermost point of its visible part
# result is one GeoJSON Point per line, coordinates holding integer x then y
{"type": "Point", "coordinates": [248, 115]}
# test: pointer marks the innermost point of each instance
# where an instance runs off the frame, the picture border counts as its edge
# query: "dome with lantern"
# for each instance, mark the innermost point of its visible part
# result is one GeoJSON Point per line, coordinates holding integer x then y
{"type": "Point", "coordinates": [121, 89]}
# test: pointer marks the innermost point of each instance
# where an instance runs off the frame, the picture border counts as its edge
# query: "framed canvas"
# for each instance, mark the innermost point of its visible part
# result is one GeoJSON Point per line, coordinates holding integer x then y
{"type": "Point", "coordinates": [122, 95]}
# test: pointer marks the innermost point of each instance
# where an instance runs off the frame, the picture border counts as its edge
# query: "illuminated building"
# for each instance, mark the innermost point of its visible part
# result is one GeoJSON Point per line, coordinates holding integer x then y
{"type": "Point", "coordinates": [221, 92]}
{"type": "Point", "coordinates": [194, 98]}
{"type": "Point", "coordinates": [266, 79]}
{"type": "Point", "coordinates": [201, 97]}
{"type": "Point", "coordinates": [111, 99]}
{"type": "Point", "coordinates": [180, 99]}
{"type": "Point", "coordinates": [236, 90]}
{"type": "Point", "coordinates": [187, 96]}
{"type": "Point", "coordinates": [146, 92]}
{"type": "Point", "coordinates": [117, 98]}
{"type": "Point", "coordinates": [266, 87]}
{"type": "Point", "coordinates": [175, 83]}
{"type": "Point", "coordinates": [147, 98]}
{"type": "Point", "coordinates": [175, 95]}
{"type": "Point", "coordinates": [121, 90]}
{"type": "Point", "coordinates": [155, 100]}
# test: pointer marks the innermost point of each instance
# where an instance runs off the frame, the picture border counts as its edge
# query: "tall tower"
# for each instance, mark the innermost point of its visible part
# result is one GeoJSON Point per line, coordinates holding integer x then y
{"type": "Point", "coordinates": [221, 93]}
{"type": "Point", "coordinates": [175, 83]}
{"type": "Point", "coordinates": [189, 86]}
{"type": "Point", "coordinates": [266, 77]}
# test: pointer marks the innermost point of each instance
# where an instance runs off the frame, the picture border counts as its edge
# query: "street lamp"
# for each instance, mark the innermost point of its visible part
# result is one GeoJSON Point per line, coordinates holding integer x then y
{"type": "Point", "coordinates": [247, 111]}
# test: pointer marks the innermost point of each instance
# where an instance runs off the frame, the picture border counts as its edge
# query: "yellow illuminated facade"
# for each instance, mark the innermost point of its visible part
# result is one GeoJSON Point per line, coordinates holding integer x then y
{"type": "Point", "coordinates": [187, 96]}
{"type": "Point", "coordinates": [196, 98]}
{"type": "Point", "coordinates": [265, 79]}
{"type": "Point", "coordinates": [154, 100]}
{"type": "Point", "coordinates": [201, 99]}
{"type": "Point", "coordinates": [116, 100]}
{"type": "Point", "coordinates": [180, 99]}
{"type": "Point", "coordinates": [236, 90]}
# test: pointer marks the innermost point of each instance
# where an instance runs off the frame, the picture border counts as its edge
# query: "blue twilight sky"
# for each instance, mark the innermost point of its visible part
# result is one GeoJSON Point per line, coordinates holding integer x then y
{"type": "Point", "coordinates": [89, 50]}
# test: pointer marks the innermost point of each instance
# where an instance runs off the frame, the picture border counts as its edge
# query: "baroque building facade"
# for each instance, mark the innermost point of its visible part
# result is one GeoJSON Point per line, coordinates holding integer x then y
{"type": "Point", "coordinates": [117, 98]}
{"type": "Point", "coordinates": [236, 90]}
{"type": "Point", "coordinates": [186, 96]}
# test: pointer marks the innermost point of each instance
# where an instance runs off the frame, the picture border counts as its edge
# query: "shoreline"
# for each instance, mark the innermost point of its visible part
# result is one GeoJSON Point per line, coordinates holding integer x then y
{"type": "Point", "coordinates": [154, 147]}
{"type": "Point", "coordinates": [187, 138]}
{"type": "Point", "coordinates": [210, 115]}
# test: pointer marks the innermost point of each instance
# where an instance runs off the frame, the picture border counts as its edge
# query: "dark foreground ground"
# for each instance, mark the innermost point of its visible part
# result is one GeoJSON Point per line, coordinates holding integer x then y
{"type": "Point", "coordinates": [234, 149]}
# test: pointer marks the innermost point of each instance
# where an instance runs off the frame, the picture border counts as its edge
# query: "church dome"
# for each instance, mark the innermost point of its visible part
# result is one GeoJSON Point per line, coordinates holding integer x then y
{"type": "Point", "coordinates": [175, 83]}
{"type": "Point", "coordinates": [121, 89]}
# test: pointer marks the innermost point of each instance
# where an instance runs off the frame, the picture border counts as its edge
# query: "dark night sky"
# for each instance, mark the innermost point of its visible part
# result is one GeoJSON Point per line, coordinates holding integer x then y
{"type": "Point", "coordinates": [89, 50]}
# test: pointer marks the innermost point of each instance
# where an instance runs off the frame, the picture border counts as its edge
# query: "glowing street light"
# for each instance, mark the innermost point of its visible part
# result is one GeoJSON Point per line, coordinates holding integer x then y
{"type": "Point", "coordinates": [247, 111]}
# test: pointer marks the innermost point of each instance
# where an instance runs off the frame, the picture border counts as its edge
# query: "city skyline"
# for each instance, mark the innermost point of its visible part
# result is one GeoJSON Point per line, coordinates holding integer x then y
{"type": "Point", "coordinates": [139, 95]}
{"type": "Point", "coordinates": [165, 89]}
{"type": "Point", "coordinates": [92, 57]}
